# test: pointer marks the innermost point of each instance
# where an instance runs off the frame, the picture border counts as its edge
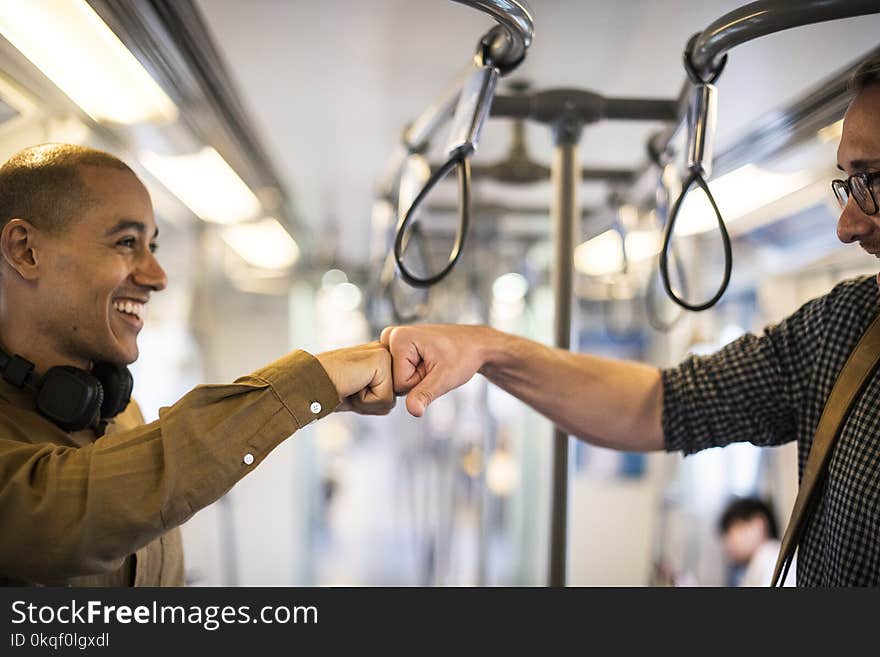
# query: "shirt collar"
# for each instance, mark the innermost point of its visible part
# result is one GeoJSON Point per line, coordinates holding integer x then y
{"type": "Point", "coordinates": [21, 397]}
{"type": "Point", "coordinates": [26, 398]}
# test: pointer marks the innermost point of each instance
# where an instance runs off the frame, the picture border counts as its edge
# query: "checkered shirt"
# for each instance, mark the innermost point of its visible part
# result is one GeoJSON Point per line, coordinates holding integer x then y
{"type": "Point", "coordinates": [770, 390]}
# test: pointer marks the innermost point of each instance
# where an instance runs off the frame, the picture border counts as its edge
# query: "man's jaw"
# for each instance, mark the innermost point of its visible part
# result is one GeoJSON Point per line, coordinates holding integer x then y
{"type": "Point", "coordinates": [874, 250]}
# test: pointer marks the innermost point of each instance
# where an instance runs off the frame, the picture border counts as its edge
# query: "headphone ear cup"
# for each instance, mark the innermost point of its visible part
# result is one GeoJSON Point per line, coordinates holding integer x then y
{"type": "Point", "coordinates": [70, 397]}
{"type": "Point", "coordinates": [117, 383]}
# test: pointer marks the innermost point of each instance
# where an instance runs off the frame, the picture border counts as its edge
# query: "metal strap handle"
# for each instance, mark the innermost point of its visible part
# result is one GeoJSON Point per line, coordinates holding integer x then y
{"type": "Point", "coordinates": [695, 177]}
{"type": "Point", "coordinates": [463, 165]}
{"type": "Point", "coordinates": [515, 17]}
{"type": "Point", "coordinates": [499, 51]}
{"type": "Point", "coordinates": [701, 133]}
{"type": "Point", "coordinates": [470, 115]}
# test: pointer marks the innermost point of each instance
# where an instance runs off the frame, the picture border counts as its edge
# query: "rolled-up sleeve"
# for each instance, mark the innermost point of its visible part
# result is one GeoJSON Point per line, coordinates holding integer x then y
{"type": "Point", "coordinates": [69, 511]}
{"type": "Point", "coordinates": [751, 390]}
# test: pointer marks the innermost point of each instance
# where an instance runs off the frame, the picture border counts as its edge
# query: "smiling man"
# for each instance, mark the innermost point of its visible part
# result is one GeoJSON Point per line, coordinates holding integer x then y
{"type": "Point", "coordinates": [767, 389]}
{"type": "Point", "coordinates": [104, 235]}
{"type": "Point", "coordinates": [90, 495]}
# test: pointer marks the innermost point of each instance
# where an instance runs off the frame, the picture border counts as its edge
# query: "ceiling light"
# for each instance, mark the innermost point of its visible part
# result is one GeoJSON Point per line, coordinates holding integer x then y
{"type": "Point", "coordinates": [502, 473]}
{"type": "Point", "coordinates": [831, 132]}
{"type": "Point", "coordinates": [737, 194]}
{"type": "Point", "coordinates": [346, 296]}
{"type": "Point", "coordinates": [603, 254]}
{"type": "Point", "coordinates": [510, 288]}
{"type": "Point", "coordinates": [628, 215]}
{"type": "Point", "coordinates": [13, 96]}
{"type": "Point", "coordinates": [75, 49]}
{"type": "Point", "coordinates": [643, 244]}
{"type": "Point", "coordinates": [332, 278]}
{"type": "Point", "coordinates": [206, 184]}
{"type": "Point", "coordinates": [263, 243]}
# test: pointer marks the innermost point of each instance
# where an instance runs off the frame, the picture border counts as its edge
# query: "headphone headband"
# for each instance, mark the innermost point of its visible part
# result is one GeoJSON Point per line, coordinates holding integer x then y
{"type": "Point", "coordinates": [70, 397]}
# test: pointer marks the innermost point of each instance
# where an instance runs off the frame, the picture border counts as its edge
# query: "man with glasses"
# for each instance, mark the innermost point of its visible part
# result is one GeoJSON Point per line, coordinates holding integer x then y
{"type": "Point", "coordinates": [768, 389]}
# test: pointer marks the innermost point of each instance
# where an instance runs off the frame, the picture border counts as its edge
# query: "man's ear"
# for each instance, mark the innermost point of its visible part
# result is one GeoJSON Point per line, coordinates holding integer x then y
{"type": "Point", "coordinates": [17, 242]}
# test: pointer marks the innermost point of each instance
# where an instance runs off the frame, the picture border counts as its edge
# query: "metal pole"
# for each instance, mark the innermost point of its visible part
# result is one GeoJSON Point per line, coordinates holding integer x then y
{"type": "Point", "coordinates": [484, 500]}
{"type": "Point", "coordinates": [565, 211]}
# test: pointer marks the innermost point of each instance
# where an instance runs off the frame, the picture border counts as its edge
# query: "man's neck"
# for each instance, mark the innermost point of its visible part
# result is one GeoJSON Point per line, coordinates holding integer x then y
{"type": "Point", "coordinates": [31, 345]}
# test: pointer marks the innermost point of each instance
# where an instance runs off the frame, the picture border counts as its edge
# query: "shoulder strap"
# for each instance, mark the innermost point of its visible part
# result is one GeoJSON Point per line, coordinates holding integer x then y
{"type": "Point", "coordinates": [847, 388]}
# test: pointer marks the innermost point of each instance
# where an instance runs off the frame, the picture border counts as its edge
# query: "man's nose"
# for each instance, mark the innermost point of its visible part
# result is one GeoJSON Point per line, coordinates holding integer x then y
{"type": "Point", "coordinates": [853, 224]}
{"type": "Point", "coordinates": [150, 274]}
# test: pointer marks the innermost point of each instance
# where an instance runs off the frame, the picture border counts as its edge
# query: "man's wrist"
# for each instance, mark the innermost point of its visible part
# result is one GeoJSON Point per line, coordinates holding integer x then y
{"type": "Point", "coordinates": [490, 350]}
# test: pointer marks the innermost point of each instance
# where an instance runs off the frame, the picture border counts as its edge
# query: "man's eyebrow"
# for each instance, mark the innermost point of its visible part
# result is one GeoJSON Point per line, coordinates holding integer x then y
{"type": "Point", "coordinates": [129, 224]}
{"type": "Point", "coordinates": [861, 165]}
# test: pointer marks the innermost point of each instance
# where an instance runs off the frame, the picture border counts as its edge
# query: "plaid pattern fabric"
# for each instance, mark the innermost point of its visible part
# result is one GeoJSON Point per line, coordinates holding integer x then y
{"type": "Point", "coordinates": [771, 389]}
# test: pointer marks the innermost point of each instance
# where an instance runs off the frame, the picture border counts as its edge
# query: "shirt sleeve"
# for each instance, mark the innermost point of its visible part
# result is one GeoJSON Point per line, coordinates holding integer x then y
{"type": "Point", "coordinates": [751, 390]}
{"type": "Point", "coordinates": [69, 511]}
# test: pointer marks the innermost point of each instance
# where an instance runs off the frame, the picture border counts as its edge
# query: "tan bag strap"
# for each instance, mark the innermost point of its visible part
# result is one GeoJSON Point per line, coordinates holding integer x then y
{"type": "Point", "coordinates": [847, 388]}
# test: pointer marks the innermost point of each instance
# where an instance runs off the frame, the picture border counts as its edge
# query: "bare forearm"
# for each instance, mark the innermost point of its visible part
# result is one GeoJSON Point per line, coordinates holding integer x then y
{"type": "Point", "coordinates": [606, 402]}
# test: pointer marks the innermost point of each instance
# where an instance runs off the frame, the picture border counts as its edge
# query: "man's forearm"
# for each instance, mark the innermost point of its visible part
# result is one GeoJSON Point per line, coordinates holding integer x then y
{"type": "Point", "coordinates": [612, 403]}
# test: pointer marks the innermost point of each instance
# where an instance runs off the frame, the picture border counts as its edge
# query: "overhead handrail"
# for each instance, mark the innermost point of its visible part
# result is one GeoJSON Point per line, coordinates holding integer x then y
{"type": "Point", "coordinates": [758, 19]}
{"type": "Point", "coordinates": [499, 52]}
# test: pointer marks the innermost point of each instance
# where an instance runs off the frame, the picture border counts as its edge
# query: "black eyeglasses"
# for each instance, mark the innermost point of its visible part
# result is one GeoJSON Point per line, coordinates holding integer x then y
{"type": "Point", "coordinates": [861, 187]}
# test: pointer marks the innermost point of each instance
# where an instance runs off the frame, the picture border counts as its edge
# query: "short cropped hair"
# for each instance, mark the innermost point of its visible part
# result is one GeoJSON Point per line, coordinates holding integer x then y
{"type": "Point", "coordinates": [866, 75]}
{"type": "Point", "coordinates": [42, 184]}
{"type": "Point", "coordinates": [747, 508]}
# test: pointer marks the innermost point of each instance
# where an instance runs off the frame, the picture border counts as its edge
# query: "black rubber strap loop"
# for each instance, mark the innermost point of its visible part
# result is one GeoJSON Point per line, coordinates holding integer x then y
{"type": "Point", "coordinates": [652, 311]}
{"type": "Point", "coordinates": [419, 310]}
{"type": "Point", "coordinates": [694, 177]}
{"type": "Point", "coordinates": [464, 182]}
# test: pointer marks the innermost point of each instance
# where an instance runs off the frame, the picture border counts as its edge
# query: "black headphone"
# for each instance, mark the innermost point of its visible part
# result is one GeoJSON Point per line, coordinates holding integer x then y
{"type": "Point", "coordinates": [71, 397]}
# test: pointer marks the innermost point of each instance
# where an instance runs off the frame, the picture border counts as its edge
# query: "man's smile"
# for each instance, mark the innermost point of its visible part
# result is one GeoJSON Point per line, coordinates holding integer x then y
{"type": "Point", "coordinates": [131, 311]}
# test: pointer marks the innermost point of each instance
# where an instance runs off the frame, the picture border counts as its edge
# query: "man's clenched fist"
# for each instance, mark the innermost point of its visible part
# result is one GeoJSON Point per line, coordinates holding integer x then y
{"type": "Point", "coordinates": [430, 360]}
{"type": "Point", "coordinates": [362, 376]}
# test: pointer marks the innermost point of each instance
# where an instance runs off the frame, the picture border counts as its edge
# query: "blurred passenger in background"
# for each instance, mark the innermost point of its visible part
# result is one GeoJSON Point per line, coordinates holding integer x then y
{"type": "Point", "coordinates": [89, 494]}
{"type": "Point", "coordinates": [750, 539]}
{"type": "Point", "coordinates": [768, 389]}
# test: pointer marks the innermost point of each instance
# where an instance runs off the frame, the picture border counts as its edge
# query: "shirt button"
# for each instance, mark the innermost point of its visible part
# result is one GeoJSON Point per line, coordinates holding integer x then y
{"type": "Point", "coordinates": [248, 459]}
{"type": "Point", "coordinates": [315, 407]}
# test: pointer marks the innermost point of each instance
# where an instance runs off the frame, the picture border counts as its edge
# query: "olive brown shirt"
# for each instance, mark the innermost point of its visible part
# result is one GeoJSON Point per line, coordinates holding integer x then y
{"type": "Point", "coordinates": [82, 510]}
